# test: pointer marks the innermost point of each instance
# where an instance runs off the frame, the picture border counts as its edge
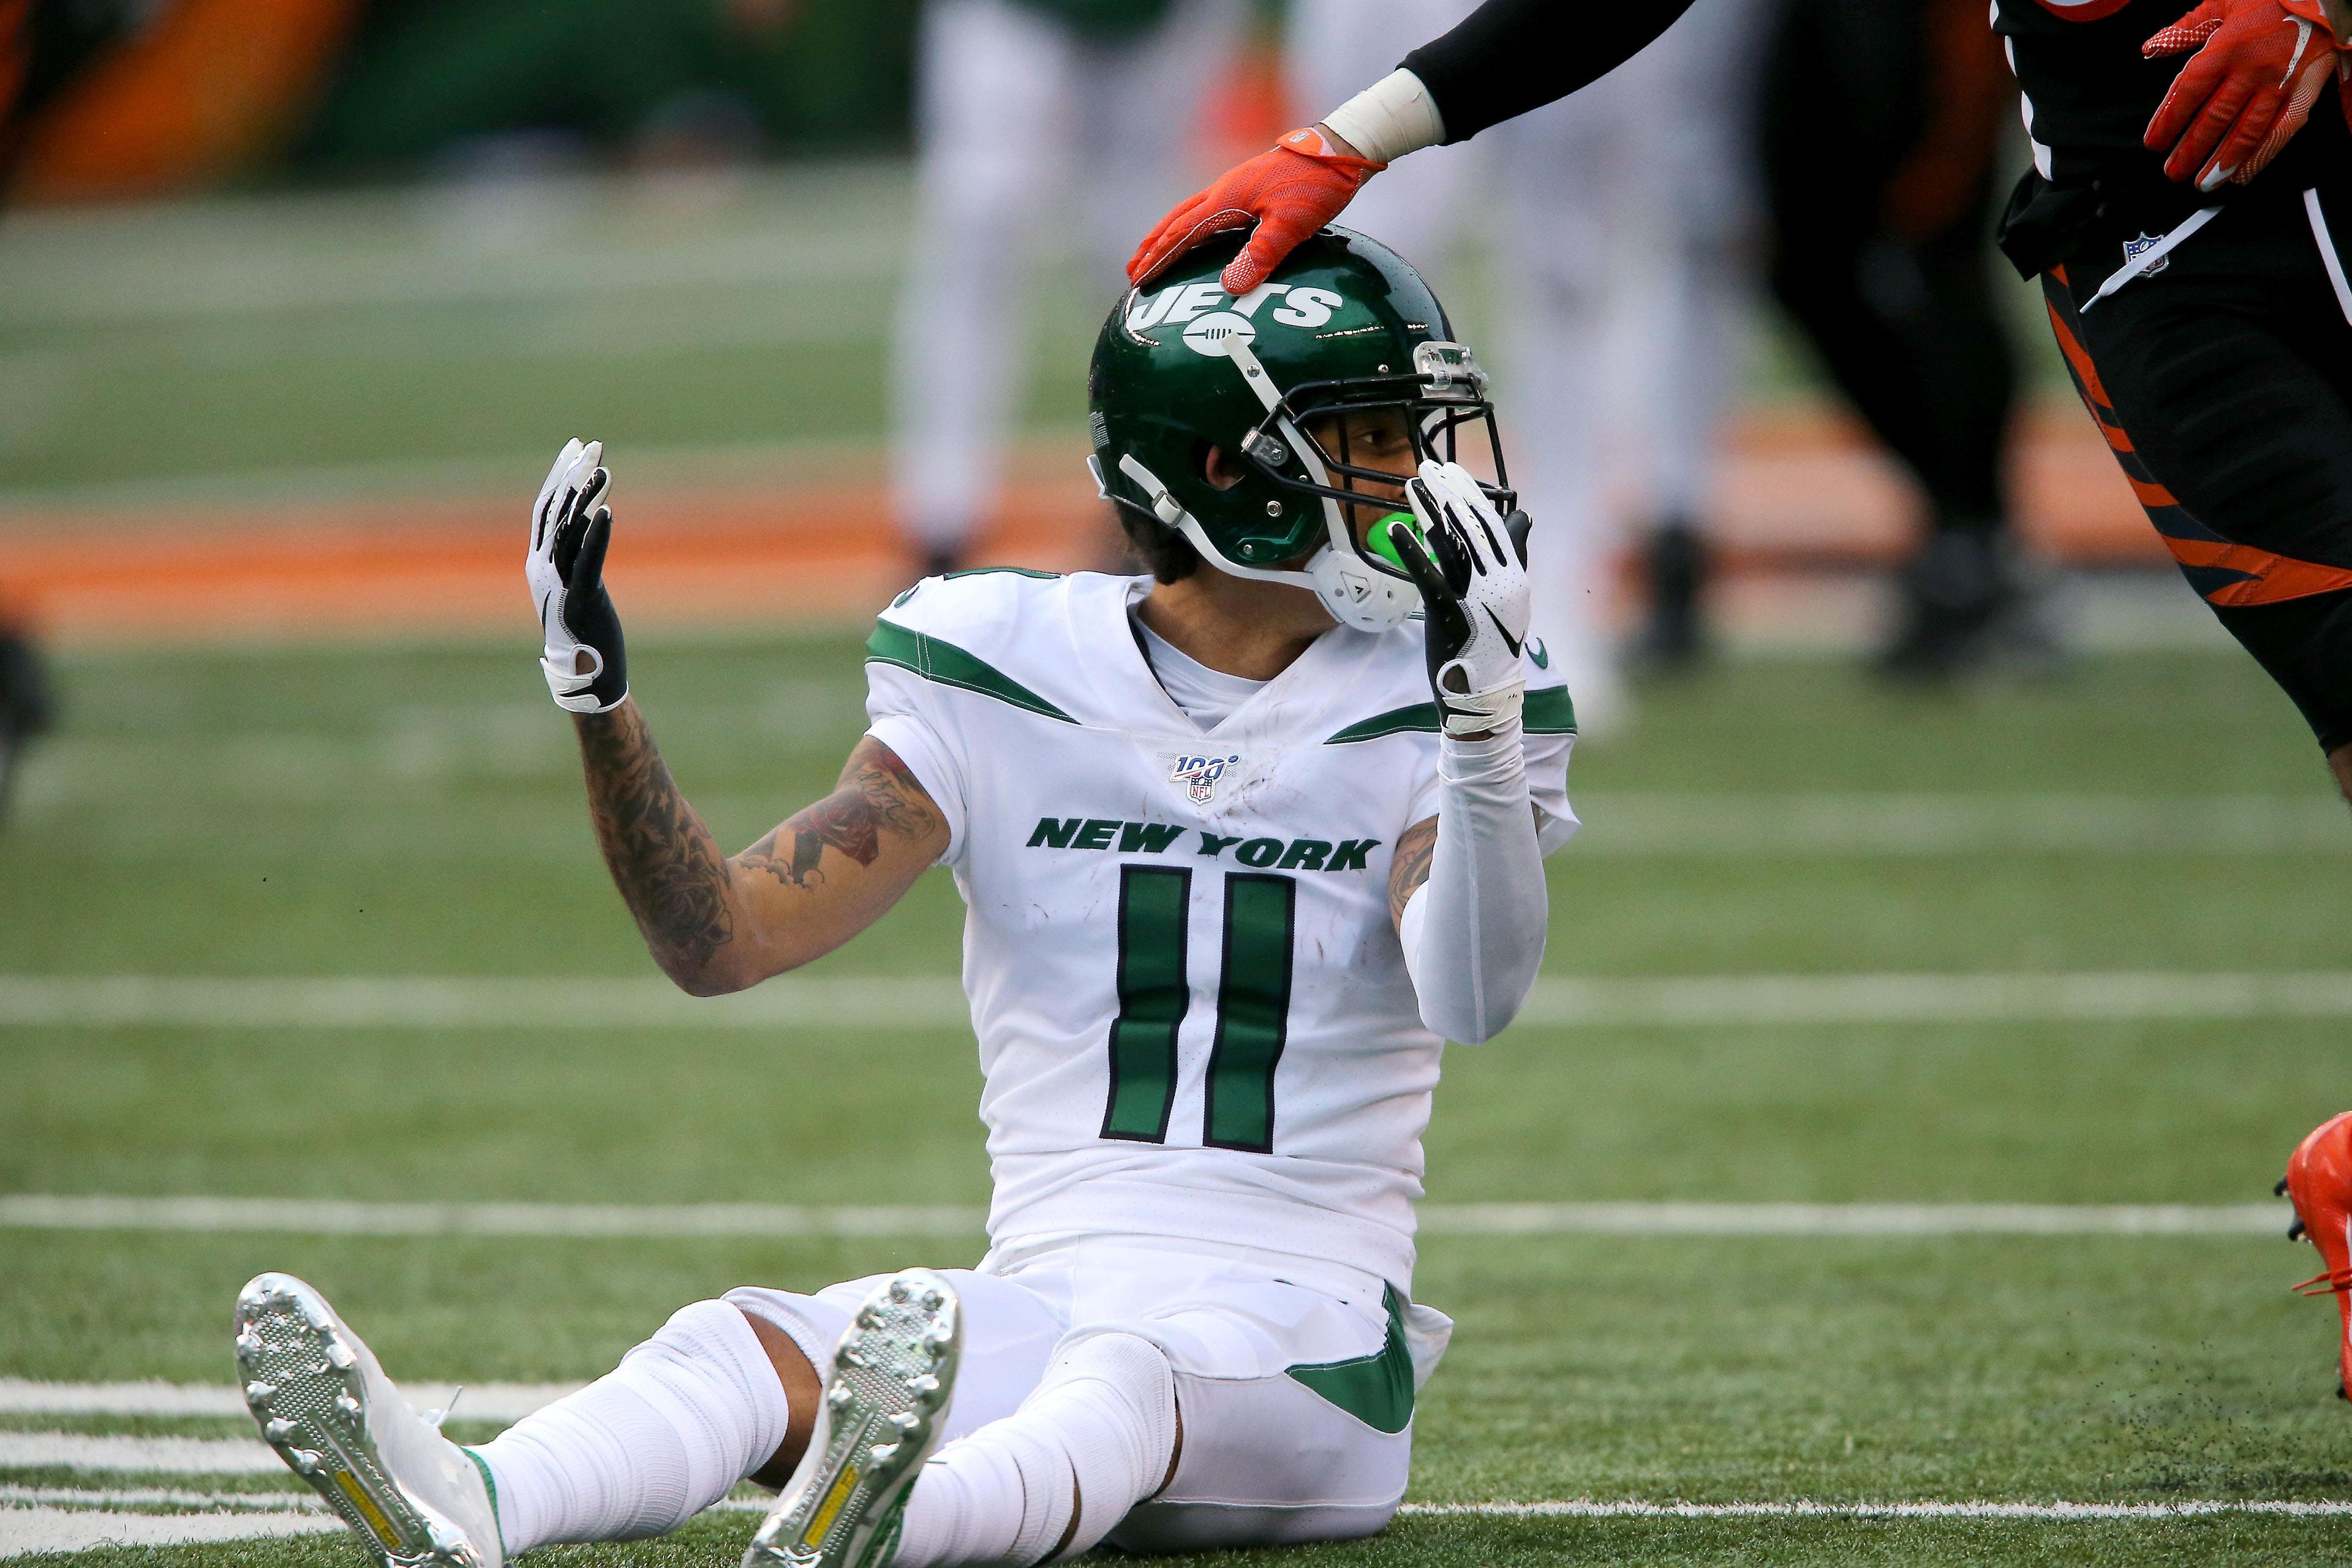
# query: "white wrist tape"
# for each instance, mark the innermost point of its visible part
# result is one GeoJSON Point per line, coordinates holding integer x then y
{"type": "Point", "coordinates": [1486, 712]}
{"type": "Point", "coordinates": [1393, 117]}
{"type": "Point", "coordinates": [1474, 934]}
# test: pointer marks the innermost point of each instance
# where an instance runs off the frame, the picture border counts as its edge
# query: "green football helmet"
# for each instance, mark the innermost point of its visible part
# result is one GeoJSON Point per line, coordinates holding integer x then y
{"type": "Point", "coordinates": [1344, 324]}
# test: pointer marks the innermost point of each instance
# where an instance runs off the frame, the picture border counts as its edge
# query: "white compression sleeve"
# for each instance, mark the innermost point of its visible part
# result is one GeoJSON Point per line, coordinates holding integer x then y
{"type": "Point", "coordinates": [646, 1446]}
{"type": "Point", "coordinates": [1057, 1475]}
{"type": "Point", "coordinates": [1393, 117]}
{"type": "Point", "coordinates": [1474, 933]}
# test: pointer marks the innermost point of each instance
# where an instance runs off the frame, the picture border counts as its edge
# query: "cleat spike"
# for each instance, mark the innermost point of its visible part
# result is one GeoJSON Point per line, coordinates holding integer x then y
{"type": "Point", "coordinates": [932, 1300]}
{"type": "Point", "coordinates": [335, 1419]}
{"type": "Point", "coordinates": [2279, 1191]}
{"type": "Point", "coordinates": [899, 1292]}
{"type": "Point", "coordinates": [2295, 1231]}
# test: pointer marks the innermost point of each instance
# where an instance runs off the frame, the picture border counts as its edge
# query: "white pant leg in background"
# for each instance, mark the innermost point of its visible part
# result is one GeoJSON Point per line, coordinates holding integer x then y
{"type": "Point", "coordinates": [1333, 50]}
{"type": "Point", "coordinates": [1697, 312]}
{"type": "Point", "coordinates": [1564, 190]}
{"type": "Point", "coordinates": [1140, 103]}
{"type": "Point", "coordinates": [1011, 107]}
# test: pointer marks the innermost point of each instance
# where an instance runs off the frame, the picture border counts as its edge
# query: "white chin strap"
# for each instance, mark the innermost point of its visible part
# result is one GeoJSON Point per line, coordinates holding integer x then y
{"type": "Point", "coordinates": [1355, 594]}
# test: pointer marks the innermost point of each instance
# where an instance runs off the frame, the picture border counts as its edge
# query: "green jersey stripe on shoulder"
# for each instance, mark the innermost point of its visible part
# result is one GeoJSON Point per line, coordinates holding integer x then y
{"type": "Point", "coordinates": [1546, 712]}
{"type": "Point", "coordinates": [948, 665]}
{"type": "Point", "coordinates": [1421, 718]}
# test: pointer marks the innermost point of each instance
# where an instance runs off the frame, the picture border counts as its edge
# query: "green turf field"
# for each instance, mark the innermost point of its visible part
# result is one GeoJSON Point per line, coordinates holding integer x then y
{"type": "Point", "coordinates": [380, 812]}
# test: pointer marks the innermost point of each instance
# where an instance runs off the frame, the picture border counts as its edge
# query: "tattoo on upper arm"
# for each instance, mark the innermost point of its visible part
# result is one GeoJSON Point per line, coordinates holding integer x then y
{"type": "Point", "coordinates": [1410, 867]}
{"type": "Point", "coordinates": [663, 859]}
{"type": "Point", "coordinates": [877, 794]}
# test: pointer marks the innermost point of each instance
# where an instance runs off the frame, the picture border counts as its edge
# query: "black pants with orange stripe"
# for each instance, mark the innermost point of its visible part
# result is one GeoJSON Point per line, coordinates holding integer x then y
{"type": "Point", "coordinates": [2223, 381]}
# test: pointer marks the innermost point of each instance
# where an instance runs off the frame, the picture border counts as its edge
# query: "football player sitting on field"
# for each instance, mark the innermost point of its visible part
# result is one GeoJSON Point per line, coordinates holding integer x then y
{"type": "Point", "coordinates": [1243, 843]}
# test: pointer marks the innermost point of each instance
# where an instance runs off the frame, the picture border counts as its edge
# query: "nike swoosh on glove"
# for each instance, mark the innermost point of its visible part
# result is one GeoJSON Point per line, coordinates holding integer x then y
{"type": "Point", "coordinates": [2260, 65]}
{"type": "Point", "coordinates": [1288, 193]}
{"type": "Point", "coordinates": [1473, 576]}
{"type": "Point", "coordinates": [570, 529]}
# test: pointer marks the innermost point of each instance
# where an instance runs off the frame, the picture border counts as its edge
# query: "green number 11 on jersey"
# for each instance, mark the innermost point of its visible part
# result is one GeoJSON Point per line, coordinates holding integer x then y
{"type": "Point", "coordinates": [1155, 991]}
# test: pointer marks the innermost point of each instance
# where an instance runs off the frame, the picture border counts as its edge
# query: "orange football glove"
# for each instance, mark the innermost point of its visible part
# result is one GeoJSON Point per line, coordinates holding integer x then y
{"type": "Point", "coordinates": [1288, 193]}
{"type": "Point", "coordinates": [2260, 65]}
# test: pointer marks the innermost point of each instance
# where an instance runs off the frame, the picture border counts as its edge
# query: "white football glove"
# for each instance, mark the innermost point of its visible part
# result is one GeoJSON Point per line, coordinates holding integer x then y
{"type": "Point", "coordinates": [1474, 588]}
{"type": "Point", "coordinates": [570, 529]}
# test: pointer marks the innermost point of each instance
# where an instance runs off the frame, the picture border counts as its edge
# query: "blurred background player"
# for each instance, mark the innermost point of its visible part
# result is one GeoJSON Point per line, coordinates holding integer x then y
{"type": "Point", "coordinates": [1887, 270]}
{"type": "Point", "coordinates": [1022, 105]}
{"type": "Point", "coordinates": [1623, 237]}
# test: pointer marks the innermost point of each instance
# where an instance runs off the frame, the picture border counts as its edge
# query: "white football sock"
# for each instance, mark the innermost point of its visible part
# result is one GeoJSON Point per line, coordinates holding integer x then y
{"type": "Point", "coordinates": [1101, 1428]}
{"type": "Point", "coordinates": [641, 1450]}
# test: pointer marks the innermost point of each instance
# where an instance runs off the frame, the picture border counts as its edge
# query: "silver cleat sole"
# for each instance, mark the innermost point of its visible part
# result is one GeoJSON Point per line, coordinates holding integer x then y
{"type": "Point", "coordinates": [883, 1414]}
{"type": "Point", "coordinates": [302, 1383]}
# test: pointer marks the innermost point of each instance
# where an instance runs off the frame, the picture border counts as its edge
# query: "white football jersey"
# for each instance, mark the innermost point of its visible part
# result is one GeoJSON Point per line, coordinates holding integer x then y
{"type": "Point", "coordinates": [1194, 1014]}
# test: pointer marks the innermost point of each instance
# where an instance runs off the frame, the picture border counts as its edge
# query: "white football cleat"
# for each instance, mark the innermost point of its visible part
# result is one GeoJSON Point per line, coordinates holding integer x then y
{"type": "Point", "coordinates": [883, 1416]}
{"type": "Point", "coordinates": [415, 1499]}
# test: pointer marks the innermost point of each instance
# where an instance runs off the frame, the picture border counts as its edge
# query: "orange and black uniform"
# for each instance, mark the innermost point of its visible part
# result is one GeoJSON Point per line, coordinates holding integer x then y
{"type": "Point", "coordinates": [2223, 377]}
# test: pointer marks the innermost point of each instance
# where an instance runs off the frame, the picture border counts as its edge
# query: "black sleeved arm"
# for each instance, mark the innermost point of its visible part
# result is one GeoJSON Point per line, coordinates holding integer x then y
{"type": "Point", "coordinates": [1510, 56]}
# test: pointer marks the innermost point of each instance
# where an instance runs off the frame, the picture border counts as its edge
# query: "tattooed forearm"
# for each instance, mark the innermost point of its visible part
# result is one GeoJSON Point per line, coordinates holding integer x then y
{"type": "Point", "coordinates": [1410, 868]}
{"type": "Point", "coordinates": [877, 794]}
{"type": "Point", "coordinates": [663, 859]}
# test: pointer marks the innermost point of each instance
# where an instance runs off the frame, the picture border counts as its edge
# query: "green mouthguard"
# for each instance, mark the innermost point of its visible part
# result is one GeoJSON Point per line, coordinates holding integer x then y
{"type": "Point", "coordinates": [1377, 539]}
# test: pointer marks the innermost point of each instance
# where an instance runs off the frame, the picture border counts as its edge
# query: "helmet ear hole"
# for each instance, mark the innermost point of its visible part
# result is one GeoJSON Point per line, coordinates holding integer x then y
{"type": "Point", "coordinates": [1218, 469]}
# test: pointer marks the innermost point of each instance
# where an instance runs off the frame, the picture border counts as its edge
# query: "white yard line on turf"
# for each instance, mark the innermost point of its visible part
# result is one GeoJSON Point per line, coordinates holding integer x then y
{"type": "Point", "coordinates": [1586, 1509]}
{"type": "Point", "coordinates": [480, 1402]}
{"type": "Point", "coordinates": [937, 1001]}
{"type": "Point", "coordinates": [151, 1455]}
{"type": "Point", "coordinates": [156, 1497]}
{"type": "Point", "coordinates": [102, 1522]}
{"type": "Point", "coordinates": [1761, 826]}
{"type": "Point", "coordinates": [24, 1530]}
{"type": "Point", "coordinates": [33, 1211]}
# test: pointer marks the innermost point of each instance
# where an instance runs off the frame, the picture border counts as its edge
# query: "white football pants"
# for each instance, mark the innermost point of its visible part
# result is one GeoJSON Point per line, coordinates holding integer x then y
{"type": "Point", "coordinates": [1623, 215]}
{"type": "Point", "coordinates": [1294, 1379]}
{"type": "Point", "coordinates": [1024, 128]}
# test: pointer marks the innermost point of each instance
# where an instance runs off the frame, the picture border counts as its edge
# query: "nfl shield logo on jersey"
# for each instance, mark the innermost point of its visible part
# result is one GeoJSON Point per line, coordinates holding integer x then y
{"type": "Point", "coordinates": [1199, 775]}
{"type": "Point", "coordinates": [2134, 249]}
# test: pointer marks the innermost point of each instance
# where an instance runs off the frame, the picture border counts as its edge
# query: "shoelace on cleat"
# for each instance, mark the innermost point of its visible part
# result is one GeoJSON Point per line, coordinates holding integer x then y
{"type": "Point", "coordinates": [2327, 1282]}
{"type": "Point", "coordinates": [436, 1418]}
